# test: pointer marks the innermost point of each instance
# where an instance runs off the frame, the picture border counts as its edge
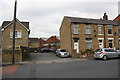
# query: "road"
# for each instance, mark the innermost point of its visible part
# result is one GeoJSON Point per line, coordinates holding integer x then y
{"type": "Point", "coordinates": [47, 65]}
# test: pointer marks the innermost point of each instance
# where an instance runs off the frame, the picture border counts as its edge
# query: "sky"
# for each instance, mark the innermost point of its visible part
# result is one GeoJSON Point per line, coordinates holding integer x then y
{"type": "Point", "coordinates": [45, 16]}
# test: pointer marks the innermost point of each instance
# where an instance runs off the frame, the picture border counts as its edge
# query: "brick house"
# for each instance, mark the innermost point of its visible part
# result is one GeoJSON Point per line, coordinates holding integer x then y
{"type": "Point", "coordinates": [53, 42]}
{"type": "Point", "coordinates": [42, 42]}
{"type": "Point", "coordinates": [78, 34]}
{"type": "Point", "coordinates": [21, 36]}
{"type": "Point", "coordinates": [117, 18]}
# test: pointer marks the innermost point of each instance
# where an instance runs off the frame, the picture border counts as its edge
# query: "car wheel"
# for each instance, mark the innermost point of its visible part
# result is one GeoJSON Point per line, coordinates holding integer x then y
{"type": "Point", "coordinates": [104, 58]}
{"type": "Point", "coordinates": [118, 56]}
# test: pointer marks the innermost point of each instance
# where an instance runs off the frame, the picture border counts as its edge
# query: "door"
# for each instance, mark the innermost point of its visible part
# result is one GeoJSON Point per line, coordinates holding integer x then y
{"type": "Point", "coordinates": [101, 43]}
{"type": "Point", "coordinates": [76, 46]}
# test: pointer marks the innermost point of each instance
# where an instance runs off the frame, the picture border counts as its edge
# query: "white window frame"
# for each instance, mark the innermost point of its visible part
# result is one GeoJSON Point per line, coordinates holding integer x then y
{"type": "Point", "coordinates": [87, 29]}
{"type": "Point", "coordinates": [100, 30]}
{"type": "Point", "coordinates": [110, 27]}
{"type": "Point", "coordinates": [75, 29]}
{"type": "Point", "coordinates": [89, 41]}
{"type": "Point", "coordinates": [19, 34]}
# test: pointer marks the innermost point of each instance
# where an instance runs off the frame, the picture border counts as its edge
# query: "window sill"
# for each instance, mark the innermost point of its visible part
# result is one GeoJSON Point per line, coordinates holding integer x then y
{"type": "Point", "coordinates": [100, 34]}
{"type": "Point", "coordinates": [87, 34]}
{"type": "Point", "coordinates": [16, 38]}
{"type": "Point", "coordinates": [110, 34]}
{"type": "Point", "coordinates": [75, 34]}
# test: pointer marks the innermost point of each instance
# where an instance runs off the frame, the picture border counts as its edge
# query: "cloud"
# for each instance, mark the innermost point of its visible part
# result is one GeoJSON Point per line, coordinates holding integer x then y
{"type": "Point", "coordinates": [45, 16]}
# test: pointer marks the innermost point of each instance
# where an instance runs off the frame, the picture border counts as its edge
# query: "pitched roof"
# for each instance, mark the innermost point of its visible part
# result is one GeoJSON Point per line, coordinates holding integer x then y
{"type": "Point", "coordinates": [91, 21]}
{"type": "Point", "coordinates": [5, 23]}
{"type": "Point", "coordinates": [117, 18]}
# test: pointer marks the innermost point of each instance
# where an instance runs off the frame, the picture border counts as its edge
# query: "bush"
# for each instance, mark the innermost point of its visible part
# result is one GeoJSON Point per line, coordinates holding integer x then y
{"type": "Point", "coordinates": [89, 51]}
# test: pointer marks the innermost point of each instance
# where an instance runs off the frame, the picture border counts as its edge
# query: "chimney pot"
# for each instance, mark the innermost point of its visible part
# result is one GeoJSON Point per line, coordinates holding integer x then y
{"type": "Point", "coordinates": [105, 17]}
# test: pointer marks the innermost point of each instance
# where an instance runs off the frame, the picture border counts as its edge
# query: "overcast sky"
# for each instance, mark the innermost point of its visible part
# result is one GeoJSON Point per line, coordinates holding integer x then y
{"type": "Point", "coordinates": [45, 16]}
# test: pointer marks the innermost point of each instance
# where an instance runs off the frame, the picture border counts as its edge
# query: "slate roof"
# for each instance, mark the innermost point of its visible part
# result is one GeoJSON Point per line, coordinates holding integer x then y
{"type": "Point", "coordinates": [91, 21]}
{"type": "Point", "coordinates": [5, 23]}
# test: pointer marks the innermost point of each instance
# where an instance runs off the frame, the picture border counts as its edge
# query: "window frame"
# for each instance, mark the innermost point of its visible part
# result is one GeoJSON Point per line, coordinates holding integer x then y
{"type": "Point", "coordinates": [110, 27]}
{"type": "Point", "coordinates": [110, 41]}
{"type": "Point", "coordinates": [75, 29]}
{"type": "Point", "coordinates": [88, 29]}
{"type": "Point", "coordinates": [18, 34]}
{"type": "Point", "coordinates": [89, 40]}
{"type": "Point", "coordinates": [100, 32]}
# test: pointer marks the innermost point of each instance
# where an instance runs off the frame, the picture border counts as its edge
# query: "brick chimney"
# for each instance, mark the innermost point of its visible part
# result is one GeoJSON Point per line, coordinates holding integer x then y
{"type": "Point", "coordinates": [105, 17]}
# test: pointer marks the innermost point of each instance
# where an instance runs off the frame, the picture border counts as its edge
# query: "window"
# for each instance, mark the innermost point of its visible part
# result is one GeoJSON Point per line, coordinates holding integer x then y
{"type": "Point", "coordinates": [88, 31]}
{"type": "Point", "coordinates": [99, 29]}
{"type": "Point", "coordinates": [88, 43]}
{"type": "Point", "coordinates": [109, 30]}
{"type": "Point", "coordinates": [18, 34]}
{"type": "Point", "coordinates": [110, 43]}
{"type": "Point", "coordinates": [119, 30]}
{"type": "Point", "coordinates": [75, 28]}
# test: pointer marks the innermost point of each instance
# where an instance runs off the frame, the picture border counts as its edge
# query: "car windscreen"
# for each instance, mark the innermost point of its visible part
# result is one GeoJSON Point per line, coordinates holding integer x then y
{"type": "Point", "coordinates": [62, 50]}
{"type": "Point", "coordinates": [98, 50]}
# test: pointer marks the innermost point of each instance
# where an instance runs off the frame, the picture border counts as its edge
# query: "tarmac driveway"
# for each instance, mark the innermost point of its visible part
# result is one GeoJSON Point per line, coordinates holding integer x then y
{"type": "Point", "coordinates": [38, 58]}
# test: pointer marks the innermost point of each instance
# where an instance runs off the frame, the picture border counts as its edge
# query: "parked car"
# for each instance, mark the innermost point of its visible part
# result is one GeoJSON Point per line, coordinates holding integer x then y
{"type": "Point", "coordinates": [53, 50]}
{"type": "Point", "coordinates": [62, 53]}
{"type": "Point", "coordinates": [105, 53]}
{"type": "Point", "coordinates": [45, 50]}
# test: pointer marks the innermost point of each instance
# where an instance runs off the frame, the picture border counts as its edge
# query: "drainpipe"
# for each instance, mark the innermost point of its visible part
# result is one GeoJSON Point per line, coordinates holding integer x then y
{"type": "Point", "coordinates": [104, 38]}
{"type": "Point", "coordinates": [71, 35]}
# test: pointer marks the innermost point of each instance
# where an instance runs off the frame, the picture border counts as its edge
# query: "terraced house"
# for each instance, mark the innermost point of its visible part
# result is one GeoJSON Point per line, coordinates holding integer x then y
{"type": "Point", "coordinates": [78, 34]}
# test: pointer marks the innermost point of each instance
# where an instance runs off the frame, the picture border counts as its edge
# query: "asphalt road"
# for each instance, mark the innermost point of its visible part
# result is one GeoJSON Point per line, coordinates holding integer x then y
{"type": "Point", "coordinates": [82, 68]}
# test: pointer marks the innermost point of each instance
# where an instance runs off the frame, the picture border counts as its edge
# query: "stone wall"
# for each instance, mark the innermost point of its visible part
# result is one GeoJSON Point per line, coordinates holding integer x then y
{"type": "Point", "coordinates": [7, 56]}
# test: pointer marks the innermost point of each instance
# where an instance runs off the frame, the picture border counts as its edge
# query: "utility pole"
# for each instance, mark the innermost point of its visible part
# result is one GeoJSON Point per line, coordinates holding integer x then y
{"type": "Point", "coordinates": [14, 26]}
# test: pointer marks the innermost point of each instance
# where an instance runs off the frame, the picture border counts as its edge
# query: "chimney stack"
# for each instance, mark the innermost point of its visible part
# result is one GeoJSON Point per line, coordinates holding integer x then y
{"type": "Point", "coordinates": [105, 17]}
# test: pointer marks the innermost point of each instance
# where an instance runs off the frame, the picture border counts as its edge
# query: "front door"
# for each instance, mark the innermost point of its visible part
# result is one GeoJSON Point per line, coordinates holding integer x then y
{"type": "Point", "coordinates": [76, 46]}
{"type": "Point", "coordinates": [101, 43]}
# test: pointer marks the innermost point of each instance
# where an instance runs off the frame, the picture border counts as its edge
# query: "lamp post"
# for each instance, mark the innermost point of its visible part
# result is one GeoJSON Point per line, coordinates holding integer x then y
{"type": "Point", "coordinates": [14, 26]}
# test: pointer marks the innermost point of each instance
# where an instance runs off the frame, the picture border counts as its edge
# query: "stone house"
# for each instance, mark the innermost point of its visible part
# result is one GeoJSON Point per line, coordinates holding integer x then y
{"type": "Point", "coordinates": [21, 34]}
{"type": "Point", "coordinates": [34, 42]}
{"type": "Point", "coordinates": [78, 34]}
